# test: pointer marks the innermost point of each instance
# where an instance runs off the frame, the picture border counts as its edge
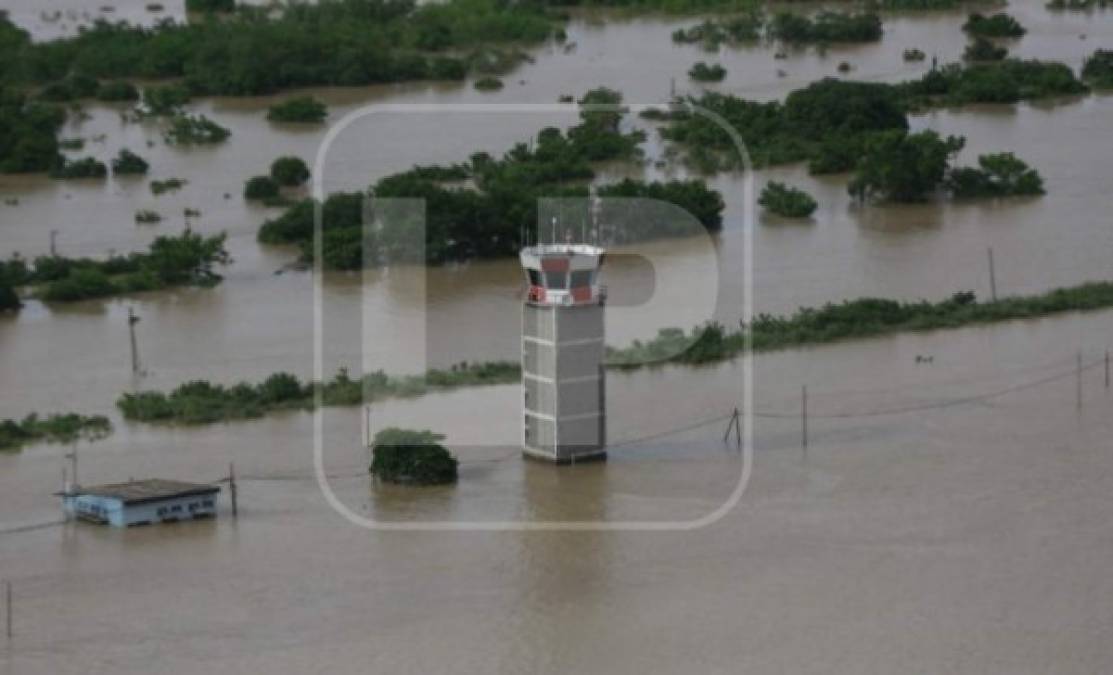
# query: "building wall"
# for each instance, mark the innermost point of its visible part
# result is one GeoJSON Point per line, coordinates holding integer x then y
{"type": "Point", "coordinates": [562, 355]}
{"type": "Point", "coordinates": [114, 512]}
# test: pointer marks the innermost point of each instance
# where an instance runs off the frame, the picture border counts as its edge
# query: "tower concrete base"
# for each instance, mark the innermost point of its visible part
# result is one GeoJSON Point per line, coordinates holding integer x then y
{"type": "Point", "coordinates": [599, 455]}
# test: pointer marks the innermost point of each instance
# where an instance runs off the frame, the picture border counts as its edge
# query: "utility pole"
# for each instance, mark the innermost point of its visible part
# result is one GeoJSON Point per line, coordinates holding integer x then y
{"type": "Point", "coordinates": [132, 320]}
{"type": "Point", "coordinates": [232, 488]}
{"type": "Point", "coordinates": [992, 276]}
{"type": "Point", "coordinates": [367, 425]}
{"type": "Point", "coordinates": [804, 416]}
{"type": "Point", "coordinates": [72, 456]}
{"type": "Point", "coordinates": [1107, 369]}
{"type": "Point", "coordinates": [53, 243]}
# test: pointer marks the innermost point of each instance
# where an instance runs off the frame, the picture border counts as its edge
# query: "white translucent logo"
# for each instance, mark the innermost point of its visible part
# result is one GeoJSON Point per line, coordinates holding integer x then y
{"type": "Point", "coordinates": [413, 327]}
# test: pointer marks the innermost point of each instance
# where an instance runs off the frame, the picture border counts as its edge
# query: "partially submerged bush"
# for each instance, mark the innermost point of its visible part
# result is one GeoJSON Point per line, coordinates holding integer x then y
{"type": "Point", "coordinates": [488, 83]}
{"type": "Point", "coordinates": [702, 72]}
{"type": "Point", "coordinates": [302, 109]}
{"type": "Point", "coordinates": [999, 175]}
{"type": "Point", "coordinates": [1098, 69]}
{"type": "Point", "coordinates": [129, 163]}
{"type": "Point", "coordinates": [87, 167]}
{"type": "Point", "coordinates": [259, 188]}
{"type": "Point", "coordinates": [998, 25]}
{"type": "Point", "coordinates": [195, 130]}
{"type": "Point", "coordinates": [412, 457]}
{"type": "Point", "coordinates": [787, 201]}
{"type": "Point", "coordinates": [289, 171]}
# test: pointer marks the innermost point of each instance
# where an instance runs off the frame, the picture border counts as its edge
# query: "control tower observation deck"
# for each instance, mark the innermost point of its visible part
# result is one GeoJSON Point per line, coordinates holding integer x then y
{"type": "Point", "coordinates": [563, 379]}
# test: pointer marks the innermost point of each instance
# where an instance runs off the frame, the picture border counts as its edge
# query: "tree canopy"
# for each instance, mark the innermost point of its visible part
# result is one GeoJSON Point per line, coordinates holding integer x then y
{"type": "Point", "coordinates": [904, 167]}
{"type": "Point", "coordinates": [412, 457]}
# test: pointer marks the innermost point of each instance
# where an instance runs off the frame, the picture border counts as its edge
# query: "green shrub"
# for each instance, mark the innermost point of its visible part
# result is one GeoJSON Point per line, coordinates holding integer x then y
{"type": "Point", "coordinates": [982, 49]}
{"type": "Point", "coordinates": [712, 33]}
{"type": "Point", "coordinates": [997, 25]}
{"type": "Point", "coordinates": [194, 130]}
{"type": "Point", "coordinates": [289, 171]}
{"type": "Point", "coordinates": [147, 217]}
{"type": "Point", "coordinates": [702, 72]}
{"type": "Point", "coordinates": [826, 27]}
{"type": "Point", "coordinates": [412, 457]}
{"type": "Point", "coordinates": [303, 109]}
{"type": "Point", "coordinates": [914, 54]}
{"type": "Point", "coordinates": [159, 187]}
{"type": "Point", "coordinates": [127, 163]}
{"type": "Point", "coordinates": [903, 167]}
{"type": "Point", "coordinates": [28, 141]}
{"type": "Point", "coordinates": [260, 188]}
{"type": "Point", "coordinates": [488, 83]}
{"type": "Point", "coordinates": [80, 284]}
{"type": "Point", "coordinates": [786, 201]}
{"type": "Point", "coordinates": [998, 175]}
{"type": "Point", "coordinates": [87, 167]}
{"type": "Point", "coordinates": [1098, 69]}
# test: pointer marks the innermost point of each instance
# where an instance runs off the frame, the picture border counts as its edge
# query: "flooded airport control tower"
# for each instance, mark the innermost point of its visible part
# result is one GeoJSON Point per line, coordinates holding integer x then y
{"type": "Point", "coordinates": [562, 353]}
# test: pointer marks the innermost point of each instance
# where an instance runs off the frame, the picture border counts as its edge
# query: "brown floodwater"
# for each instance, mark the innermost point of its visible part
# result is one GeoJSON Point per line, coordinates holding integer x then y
{"type": "Point", "coordinates": [968, 534]}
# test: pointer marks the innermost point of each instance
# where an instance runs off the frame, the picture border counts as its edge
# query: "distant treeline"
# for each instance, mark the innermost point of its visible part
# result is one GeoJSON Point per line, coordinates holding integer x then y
{"type": "Point", "coordinates": [259, 50]}
{"type": "Point", "coordinates": [480, 208]}
{"type": "Point", "coordinates": [187, 259]}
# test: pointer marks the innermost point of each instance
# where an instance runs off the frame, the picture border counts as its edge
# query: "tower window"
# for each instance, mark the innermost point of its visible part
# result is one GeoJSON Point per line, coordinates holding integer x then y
{"type": "Point", "coordinates": [556, 280]}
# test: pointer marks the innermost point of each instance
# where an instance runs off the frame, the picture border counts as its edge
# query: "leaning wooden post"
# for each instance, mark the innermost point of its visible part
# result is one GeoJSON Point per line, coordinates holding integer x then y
{"type": "Point", "coordinates": [737, 428]}
{"type": "Point", "coordinates": [992, 275]}
{"type": "Point", "coordinates": [730, 424]}
{"type": "Point", "coordinates": [232, 487]}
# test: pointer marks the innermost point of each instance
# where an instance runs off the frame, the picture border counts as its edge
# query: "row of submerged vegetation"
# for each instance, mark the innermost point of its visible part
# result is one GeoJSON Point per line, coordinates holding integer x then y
{"type": "Point", "coordinates": [861, 318]}
{"type": "Point", "coordinates": [202, 402]}
{"type": "Point", "coordinates": [187, 259]}
{"type": "Point", "coordinates": [482, 207]}
{"type": "Point", "coordinates": [57, 428]}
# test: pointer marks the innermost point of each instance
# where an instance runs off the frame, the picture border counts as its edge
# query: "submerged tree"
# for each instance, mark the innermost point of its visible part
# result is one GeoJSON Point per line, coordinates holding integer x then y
{"type": "Point", "coordinates": [412, 457]}
{"type": "Point", "coordinates": [289, 171]}
{"type": "Point", "coordinates": [785, 200]}
{"type": "Point", "coordinates": [903, 167]}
